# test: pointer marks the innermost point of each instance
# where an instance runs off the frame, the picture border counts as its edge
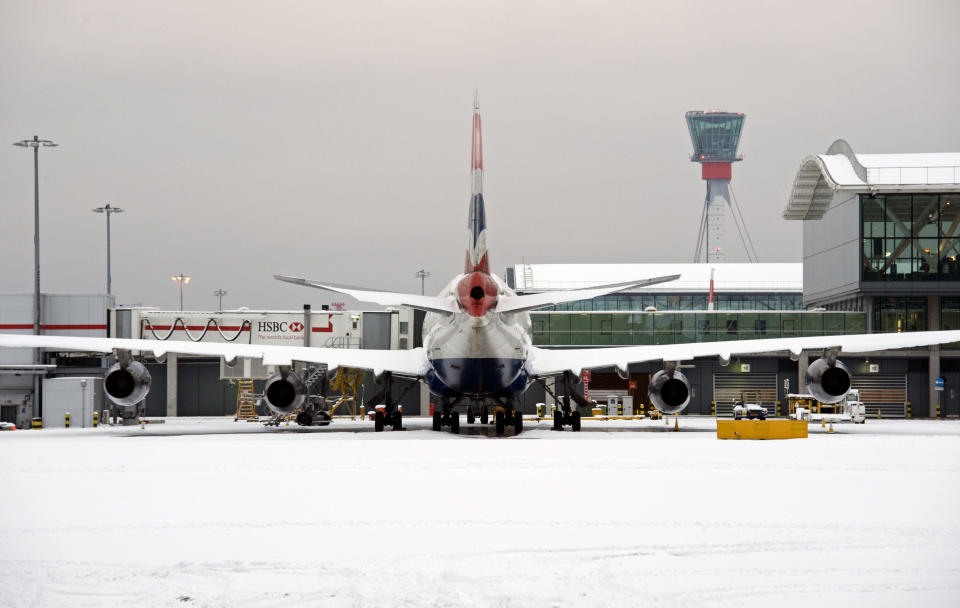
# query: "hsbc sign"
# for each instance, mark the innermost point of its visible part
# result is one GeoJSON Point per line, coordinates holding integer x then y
{"type": "Point", "coordinates": [279, 326]}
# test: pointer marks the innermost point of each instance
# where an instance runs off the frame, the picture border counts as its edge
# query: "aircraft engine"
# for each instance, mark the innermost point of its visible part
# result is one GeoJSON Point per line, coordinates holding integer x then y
{"type": "Point", "coordinates": [669, 391]}
{"type": "Point", "coordinates": [828, 383]}
{"type": "Point", "coordinates": [284, 393]}
{"type": "Point", "coordinates": [127, 385]}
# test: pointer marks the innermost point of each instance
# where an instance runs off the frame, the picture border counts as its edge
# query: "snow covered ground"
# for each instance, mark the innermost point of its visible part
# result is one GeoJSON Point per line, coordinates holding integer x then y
{"type": "Point", "coordinates": [208, 512]}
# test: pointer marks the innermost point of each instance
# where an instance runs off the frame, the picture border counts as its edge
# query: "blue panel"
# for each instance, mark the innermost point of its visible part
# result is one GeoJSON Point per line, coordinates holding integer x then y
{"type": "Point", "coordinates": [477, 377]}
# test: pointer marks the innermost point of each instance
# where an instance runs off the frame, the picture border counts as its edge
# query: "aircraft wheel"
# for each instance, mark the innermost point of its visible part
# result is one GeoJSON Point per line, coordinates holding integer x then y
{"type": "Point", "coordinates": [455, 424]}
{"type": "Point", "coordinates": [397, 421]}
{"type": "Point", "coordinates": [437, 422]}
{"type": "Point", "coordinates": [557, 421]}
{"type": "Point", "coordinates": [575, 421]}
{"type": "Point", "coordinates": [470, 416]}
{"type": "Point", "coordinates": [517, 423]}
{"type": "Point", "coordinates": [485, 416]}
{"type": "Point", "coordinates": [501, 426]}
{"type": "Point", "coordinates": [378, 421]}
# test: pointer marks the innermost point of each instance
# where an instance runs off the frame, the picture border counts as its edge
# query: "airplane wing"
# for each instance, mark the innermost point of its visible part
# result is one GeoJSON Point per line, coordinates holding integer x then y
{"type": "Point", "coordinates": [384, 298]}
{"type": "Point", "coordinates": [548, 298]}
{"type": "Point", "coordinates": [546, 362]}
{"type": "Point", "coordinates": [404, 362]}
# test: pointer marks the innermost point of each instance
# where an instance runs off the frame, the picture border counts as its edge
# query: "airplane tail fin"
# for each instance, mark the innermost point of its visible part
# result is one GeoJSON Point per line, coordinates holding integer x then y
{"type": "Point", "coordinates": [477, 260]}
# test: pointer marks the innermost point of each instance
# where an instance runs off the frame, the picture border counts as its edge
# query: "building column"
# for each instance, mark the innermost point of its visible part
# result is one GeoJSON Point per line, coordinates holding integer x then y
{"type": "Point", "coordinates": [803, 362]}
{"type": "Point", "coordinates": [933, 323]}
{"type": "Point", "coordinates": [171, 384]}
{"type": "Point", "coordinates": [424, 399]}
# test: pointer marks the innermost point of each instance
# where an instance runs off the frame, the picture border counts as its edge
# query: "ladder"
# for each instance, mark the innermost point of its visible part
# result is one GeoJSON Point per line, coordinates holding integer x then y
{"type": "Point", "coordinates": [246, 402]}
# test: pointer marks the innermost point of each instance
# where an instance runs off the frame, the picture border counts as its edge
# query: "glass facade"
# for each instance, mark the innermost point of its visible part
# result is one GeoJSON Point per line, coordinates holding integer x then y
{"type": "Point", "coordinates": [715, 135]}
{"type": "Point", "coordinates": [898, 314]}
{"type": "Point", "coordinates": [638, 302]}
{"type": "Point", "coordinates": [624, 329]}
{"type": "Point", "coordinates": [910, 237]}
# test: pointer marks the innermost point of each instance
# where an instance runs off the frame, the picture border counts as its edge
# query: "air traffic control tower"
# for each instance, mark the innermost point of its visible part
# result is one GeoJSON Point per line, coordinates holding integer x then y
{"type": "Point", "coordinates": [715, 137]}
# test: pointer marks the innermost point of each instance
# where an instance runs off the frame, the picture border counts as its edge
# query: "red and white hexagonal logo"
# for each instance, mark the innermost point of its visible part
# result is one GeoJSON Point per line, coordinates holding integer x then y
{"type": "Point", "coordinates": [296, 326]}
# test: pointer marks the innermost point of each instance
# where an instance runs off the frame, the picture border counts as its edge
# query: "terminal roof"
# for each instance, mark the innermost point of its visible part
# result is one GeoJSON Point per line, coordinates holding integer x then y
{"type": "Point", "coordinates": [841, 169]}
{"type": "Point", "coordinates": [694, 278]}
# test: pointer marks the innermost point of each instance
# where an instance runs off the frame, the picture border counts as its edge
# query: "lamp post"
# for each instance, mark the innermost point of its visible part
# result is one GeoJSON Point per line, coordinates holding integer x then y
{"type": "Point", "coordinates": [220, 293]}
{"type": "Point", "coordinates": [181, 280]}
{"type": "Point", "coordinates": [422, 275]}
{"type": "Point", "coordinates": [108, 210]}
{"type": "Point", "coordinates": [36, 143]}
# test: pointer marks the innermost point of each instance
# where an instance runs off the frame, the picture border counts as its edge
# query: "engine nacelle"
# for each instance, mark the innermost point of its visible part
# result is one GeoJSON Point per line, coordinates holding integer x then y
{"type": "Point", "coordinates": [669, 391]}
{"type": "Point", "coordinates": [828, 383]}
{"type": "Point", "coordinates": [128, 385]}
{"type": "Point", "coordinates": [284, 393]}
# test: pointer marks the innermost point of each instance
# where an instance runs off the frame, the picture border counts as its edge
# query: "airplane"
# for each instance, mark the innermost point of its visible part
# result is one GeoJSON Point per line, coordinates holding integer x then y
{"type": "Point", "coordinates": [477, 349]}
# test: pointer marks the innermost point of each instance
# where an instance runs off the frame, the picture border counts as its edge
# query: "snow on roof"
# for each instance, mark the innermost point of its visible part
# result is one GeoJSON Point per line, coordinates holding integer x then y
{"type": "Point", "coordinates": [728, 277]}
{"type": "Point", "coordinates": [840, 169]}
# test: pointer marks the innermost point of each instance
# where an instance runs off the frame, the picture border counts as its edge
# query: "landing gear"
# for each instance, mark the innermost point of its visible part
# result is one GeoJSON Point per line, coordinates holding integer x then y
{"type": "Point", "coordinates": [470, 416]}
{"type": "Point", "coordinates": [378, 421]}
{"type": "Point", "coordinates": [447, 416]}
{"type": "Point", "coordinates": [500, 424]}
{"type": "Point", "coordinates": [517, 422]}
{"type": "Point", "coordinates": [397, 420]}
{"type": "Point", "coordinates": [484, 416]}
{"type": "Point", "coordinates": [568, 416]}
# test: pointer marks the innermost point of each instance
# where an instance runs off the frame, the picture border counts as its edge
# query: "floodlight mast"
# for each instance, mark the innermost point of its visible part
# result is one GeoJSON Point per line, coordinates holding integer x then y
{"type": "Point", "coordinates": [108, 210]}
{"type": "Point", "coordinates": [181, 279]}
{"type": "Point", "coordinates": [36, 143]}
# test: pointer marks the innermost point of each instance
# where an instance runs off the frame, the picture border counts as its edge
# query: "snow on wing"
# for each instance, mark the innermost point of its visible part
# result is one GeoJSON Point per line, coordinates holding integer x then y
{"type": "Point", "coordinates": [404, 362]}
{"type": "Point", "coordinates": [544, 362]}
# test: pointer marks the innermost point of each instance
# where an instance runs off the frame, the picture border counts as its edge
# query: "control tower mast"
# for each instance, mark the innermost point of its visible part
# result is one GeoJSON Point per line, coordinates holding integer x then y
{"type": "Point", "coordinates": [715, 137]}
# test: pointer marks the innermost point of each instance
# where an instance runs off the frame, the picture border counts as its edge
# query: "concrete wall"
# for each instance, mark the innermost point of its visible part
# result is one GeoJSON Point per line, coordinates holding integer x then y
{"type": "Point", "coordinates": [831, 251]}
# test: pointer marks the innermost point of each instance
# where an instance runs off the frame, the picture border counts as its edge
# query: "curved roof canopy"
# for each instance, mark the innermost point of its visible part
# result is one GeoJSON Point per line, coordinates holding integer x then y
{"type": "Point", "coordinates": [840, 169]}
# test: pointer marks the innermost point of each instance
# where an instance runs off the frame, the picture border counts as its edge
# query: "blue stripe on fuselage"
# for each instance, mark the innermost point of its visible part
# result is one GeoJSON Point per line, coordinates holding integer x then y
{"type": "Point", "coordinates": [489, 376]}
{"type": "Point", "coordinates": [478, 217]}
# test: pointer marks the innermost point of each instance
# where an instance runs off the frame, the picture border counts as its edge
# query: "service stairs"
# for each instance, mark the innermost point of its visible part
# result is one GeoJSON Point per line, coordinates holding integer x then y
{"type": "Point", "coordinates": [246, 401]}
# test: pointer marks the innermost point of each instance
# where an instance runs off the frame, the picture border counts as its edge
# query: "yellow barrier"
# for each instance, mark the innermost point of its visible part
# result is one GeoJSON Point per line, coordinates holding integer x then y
{"type": "Point", "coordinates": [36, 423]}
{"type": "Point", "coordinates": [761, 429]}
{"type": "Point", "coordinates": [66, 420]}
{"type": "Point", "coordinates": [96, 419]}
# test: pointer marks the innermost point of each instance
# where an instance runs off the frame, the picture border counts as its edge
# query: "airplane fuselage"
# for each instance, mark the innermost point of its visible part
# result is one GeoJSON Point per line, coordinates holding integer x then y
{"type": "Point", "coordinates": [477, 353]}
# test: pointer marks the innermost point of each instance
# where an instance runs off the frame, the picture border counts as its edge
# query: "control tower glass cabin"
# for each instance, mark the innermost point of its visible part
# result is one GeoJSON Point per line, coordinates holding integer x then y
{"type": "Point", "coordinates": [715, 137]}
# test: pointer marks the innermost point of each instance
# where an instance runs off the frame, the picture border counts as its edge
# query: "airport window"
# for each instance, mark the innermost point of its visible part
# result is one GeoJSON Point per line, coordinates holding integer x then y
{"type": "Point", "coordinates": [403, 326]}
{"type": "Point", "coordinates": [760, 327]}
{"type": "Point", "coordinates": [900, 314]}
{"type": "Point", "coordinates": [910, 237]}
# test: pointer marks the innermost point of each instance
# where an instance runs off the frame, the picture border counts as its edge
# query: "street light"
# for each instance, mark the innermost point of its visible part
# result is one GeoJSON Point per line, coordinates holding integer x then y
{"type": "Point", "coordinates": [422, 275]}
{"type": "Point", "coordinates": [108, 210]}
{"type": "Point", "coordinates": [220, 293]}
{"type": "Point", "coordinates": [181, 280]}
{"type": "Point", "coordinates": [36, 143]}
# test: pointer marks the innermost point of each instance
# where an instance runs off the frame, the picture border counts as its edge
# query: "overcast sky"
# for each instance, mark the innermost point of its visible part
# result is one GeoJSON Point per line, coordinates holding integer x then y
{"type": "Point", "coordinates": [332, 140]}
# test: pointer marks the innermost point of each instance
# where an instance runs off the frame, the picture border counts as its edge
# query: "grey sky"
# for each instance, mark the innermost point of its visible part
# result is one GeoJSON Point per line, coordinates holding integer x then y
{"type": "Point", "coordinates": [331, 140]}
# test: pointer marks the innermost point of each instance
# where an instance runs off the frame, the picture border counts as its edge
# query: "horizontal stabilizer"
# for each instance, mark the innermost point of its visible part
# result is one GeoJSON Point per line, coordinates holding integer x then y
{"type": "Point", "coordinates": [550, 298]}
{"type": "Point", "coordinates": [384, 298]}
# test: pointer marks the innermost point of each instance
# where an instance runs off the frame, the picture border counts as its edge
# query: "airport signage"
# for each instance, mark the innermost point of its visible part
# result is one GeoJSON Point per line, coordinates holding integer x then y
{"type": "Point", "coordinates": [938, 384]}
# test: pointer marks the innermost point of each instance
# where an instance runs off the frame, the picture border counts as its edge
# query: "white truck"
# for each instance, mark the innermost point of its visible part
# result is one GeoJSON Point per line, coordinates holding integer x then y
{"type": "Point", "coordinates": [750, 410]}
{"type": "Point", "coordinates": [850, 409]}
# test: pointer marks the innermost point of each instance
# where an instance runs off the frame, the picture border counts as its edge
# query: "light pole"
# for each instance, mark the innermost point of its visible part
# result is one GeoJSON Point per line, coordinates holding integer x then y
{"type": "Point", "coordinates": [422, 275]}
{"type": "Point", "coordinates": [181, 280]}
{"type": "Point", "coordinates": [220, 293]}
{"type": "Point", "coordinates": [36, 143]}
{"type": "Point", "coordinates": [108, 210]}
